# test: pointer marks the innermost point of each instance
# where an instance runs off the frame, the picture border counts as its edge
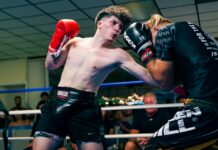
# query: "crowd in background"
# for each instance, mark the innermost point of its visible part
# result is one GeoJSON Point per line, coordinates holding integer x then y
{"type": "Point", "coordinates": [115, 122]}
{"type": "Point", "coordinates": [25, 119]}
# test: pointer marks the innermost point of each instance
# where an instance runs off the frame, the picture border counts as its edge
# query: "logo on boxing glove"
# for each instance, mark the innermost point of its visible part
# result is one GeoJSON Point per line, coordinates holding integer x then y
{"type": "Point", "coordinates": [130, 42]}
{"type": "Point", "coordinates": [147, 54]}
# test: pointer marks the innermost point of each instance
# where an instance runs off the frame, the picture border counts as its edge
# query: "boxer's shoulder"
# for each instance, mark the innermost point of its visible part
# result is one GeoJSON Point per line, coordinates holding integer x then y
{"type": "Point", "coordinates": [76, 39]}
{"type": "Point", "coordinates": [74, 42]}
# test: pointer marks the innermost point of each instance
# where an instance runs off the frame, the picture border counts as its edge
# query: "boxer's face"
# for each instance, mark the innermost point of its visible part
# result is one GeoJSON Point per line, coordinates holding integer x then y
{"type": "Point", "coordinates": [110, 27]}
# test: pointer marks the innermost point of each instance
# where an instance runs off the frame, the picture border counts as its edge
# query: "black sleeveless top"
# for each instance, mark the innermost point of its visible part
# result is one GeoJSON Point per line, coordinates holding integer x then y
{"type": "Point", "coordinates": [195, 55]}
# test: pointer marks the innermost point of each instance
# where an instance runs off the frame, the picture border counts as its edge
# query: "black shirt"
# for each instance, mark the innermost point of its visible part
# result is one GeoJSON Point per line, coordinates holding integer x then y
{"type": "Point", "coordinates": [146, 124]}
{"type": "Point", "coordinates": [195, 55]}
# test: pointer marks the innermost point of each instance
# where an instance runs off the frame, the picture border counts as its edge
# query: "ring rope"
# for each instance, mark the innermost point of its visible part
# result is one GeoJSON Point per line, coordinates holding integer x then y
{"type": "Point", "coordinates": [49, 88]}
{"type": "Point", "coordinates": [143, 106]}
{"type": "Point", "coordinates": [112, 136]}
{"type": "Point", "coordinates": [17, 112]}
{"type": "Point", "coordinates": [37, 111]}
{"type": "Point", "coordinates": [107, 136]}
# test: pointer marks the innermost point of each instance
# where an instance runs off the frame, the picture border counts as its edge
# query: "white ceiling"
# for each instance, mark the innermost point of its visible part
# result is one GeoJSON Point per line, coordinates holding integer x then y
{"type": "Point", "coordinates": [26, 26]}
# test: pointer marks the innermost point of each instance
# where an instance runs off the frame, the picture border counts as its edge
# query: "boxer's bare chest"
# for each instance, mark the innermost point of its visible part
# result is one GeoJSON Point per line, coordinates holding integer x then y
{"type": "Point", "coordinates": [91, 57]}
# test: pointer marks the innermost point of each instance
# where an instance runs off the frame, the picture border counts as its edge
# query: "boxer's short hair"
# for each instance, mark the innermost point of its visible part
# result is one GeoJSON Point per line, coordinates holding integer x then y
{"type": "Point", "coordinates": [118, 11]}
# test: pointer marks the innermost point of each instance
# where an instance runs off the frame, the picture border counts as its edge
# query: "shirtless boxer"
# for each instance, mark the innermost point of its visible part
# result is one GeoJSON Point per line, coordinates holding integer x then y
{"type": "Point", "coordinates": [182, 53]}
{"type": "Point", "coordinates": [88, 61]}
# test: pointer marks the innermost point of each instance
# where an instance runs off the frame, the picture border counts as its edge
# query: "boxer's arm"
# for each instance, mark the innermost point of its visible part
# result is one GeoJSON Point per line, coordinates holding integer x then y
{"type": "Point", "coordinates": [50, 64]}
{"type": "Point", "coordinates": [49, 61]}
{"type": "Point", "coordinates": [158, 73]}
{"type": "Point", "coordinates": [128, 64]}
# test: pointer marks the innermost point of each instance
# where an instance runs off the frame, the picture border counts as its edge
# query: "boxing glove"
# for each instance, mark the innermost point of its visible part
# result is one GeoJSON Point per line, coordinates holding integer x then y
{"type": "Point", "coordinates": [137, 38]}
{"type": "Point", "coordinates": [64, 31]}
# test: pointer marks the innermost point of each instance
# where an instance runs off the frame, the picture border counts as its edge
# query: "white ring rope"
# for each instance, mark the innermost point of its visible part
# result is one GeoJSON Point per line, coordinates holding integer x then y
{"type": "Point", "coordinates": [113, 136]}
{"type": "Point", "coordinates": [19, 112]}
{"type": "Point", "coordinates": [37, 111]}
{"type": "Point", "coordinates": [143, 106]}
{"type": "Point", "coordinates": [107, 136]}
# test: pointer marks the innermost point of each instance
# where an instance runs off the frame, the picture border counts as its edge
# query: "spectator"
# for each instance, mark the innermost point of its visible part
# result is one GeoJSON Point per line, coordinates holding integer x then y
{"type": "Point", "coordinates": [108, 121]}
{"type": "Point", "coordinates": [146, 121]}
{"type": "Point", "coordinates": [119, 126]}
{"type": "Point", "coordinates": [19, 119]}
{"type": "Point", "coordinates": [18, 103]}
{"type": "Point", "coordinates": [128, 115]}
{"type": "Point", "coordinates": [44, 98]}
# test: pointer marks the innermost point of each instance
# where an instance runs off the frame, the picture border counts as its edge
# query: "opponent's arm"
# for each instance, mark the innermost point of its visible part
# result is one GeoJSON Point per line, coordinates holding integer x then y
{"type": "Point", "coordinates": [65, 30]}
{"type": "Point", "coordinates": [134, 131]}
{"type": "Point", "coordinates": [163, 73]}
{"type": "Point", "coordinates": [162, 68]}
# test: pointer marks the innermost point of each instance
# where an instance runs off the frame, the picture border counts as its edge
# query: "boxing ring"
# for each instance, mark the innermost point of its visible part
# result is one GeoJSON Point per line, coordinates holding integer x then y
{"type": "Point", "coordinates": [106, 108]}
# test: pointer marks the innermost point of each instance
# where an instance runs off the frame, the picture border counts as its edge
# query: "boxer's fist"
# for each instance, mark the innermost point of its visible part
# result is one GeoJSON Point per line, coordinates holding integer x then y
{"type": "Point", "coordinates": [65, 30]}
{"type": "Point", "coordinates": [137, 38]}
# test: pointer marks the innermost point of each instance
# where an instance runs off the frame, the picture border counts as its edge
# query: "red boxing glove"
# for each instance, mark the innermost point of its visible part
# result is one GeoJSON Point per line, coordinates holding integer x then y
{"type": "Point", "coordinates": [64, 31]}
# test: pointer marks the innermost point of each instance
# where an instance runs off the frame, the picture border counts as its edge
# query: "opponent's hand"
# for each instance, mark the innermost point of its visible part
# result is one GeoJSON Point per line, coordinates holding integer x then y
{"type": "Point", "coordinates": [64, 31]}
{"type": "Point", "coordinates": [137, 38]}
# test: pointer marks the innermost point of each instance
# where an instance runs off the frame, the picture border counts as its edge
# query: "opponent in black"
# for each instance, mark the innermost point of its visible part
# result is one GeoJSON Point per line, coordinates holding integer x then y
{"type": "Point", "coordinates": [183, 54]}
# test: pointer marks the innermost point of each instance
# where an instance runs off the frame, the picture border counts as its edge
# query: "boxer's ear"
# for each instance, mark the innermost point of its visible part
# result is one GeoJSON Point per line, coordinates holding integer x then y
{"type": "Point", "coordinates": [99, 23]}
{"type": "Point", "coordinates": [156, 28]}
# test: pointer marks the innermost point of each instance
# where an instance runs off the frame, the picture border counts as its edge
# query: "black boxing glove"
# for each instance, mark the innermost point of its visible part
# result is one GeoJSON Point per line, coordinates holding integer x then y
{"type": "Point", "coordinates": [137, 38]}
